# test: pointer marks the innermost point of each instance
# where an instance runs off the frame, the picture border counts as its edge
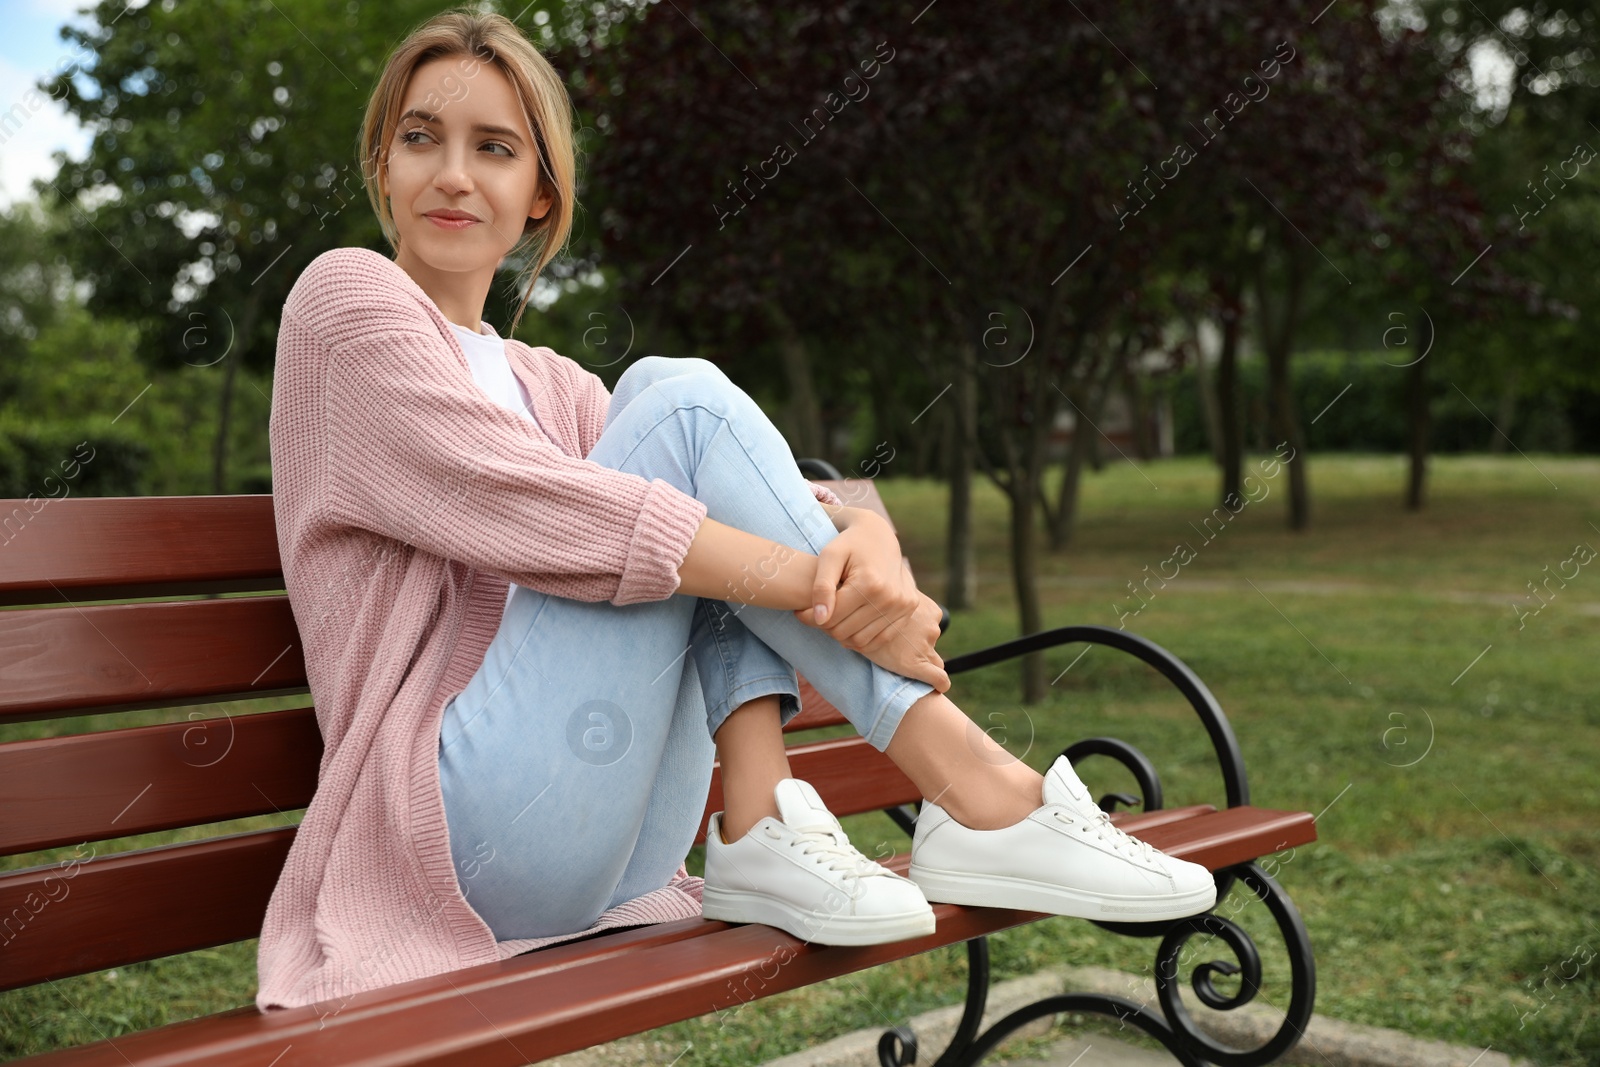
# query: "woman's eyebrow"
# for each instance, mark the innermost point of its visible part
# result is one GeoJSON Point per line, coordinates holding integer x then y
{"type": "Point", "coordinates": [498, 131]}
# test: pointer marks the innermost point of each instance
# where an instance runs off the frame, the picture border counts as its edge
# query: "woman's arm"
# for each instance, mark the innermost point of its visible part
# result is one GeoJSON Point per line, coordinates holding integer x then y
{"type": "Point", "coordinates": [875, 607]}
{"type": "Point", "coordinates": [726, 563]}
{"type": "Point", "coordinates": [729, 564]}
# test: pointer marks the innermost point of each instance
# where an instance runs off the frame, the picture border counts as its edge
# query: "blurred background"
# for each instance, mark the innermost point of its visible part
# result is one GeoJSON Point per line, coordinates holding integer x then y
{"type": "Point", "coordinates": [1265, 330]}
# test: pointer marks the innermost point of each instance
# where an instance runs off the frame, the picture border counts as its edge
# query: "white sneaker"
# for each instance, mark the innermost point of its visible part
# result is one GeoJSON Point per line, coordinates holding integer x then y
{"type": "Point", "coordinates": [1066, 858]}
{"type": "Point", "coordinates": [802, 875]}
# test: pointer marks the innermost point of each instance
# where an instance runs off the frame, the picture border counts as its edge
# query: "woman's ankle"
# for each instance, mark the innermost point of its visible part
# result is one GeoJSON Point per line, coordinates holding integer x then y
{"type": "Point", "coordinates": [960, 767]}
{"type": "Point", "coordinates": [754, 760]}
{"type": "Point", "coordinates": [1006, 797]}
{"type": "Point", "coordinates": [737, 819]}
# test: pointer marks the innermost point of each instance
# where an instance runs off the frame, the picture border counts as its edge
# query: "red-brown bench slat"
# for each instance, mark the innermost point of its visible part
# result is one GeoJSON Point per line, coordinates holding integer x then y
{"type": "Point", "coordinates": [1231, 835]}
{"type": "Point", "coordinates": [119, 783]}
{"type": "Point", "coordinates": [119, 657]}
{"type": "Point", "coordinates": [136, 889]}
{"type": "Point", "coordinates": [90, 787]}
{"type": "Point", "coordinates": [88, 548]}
{"type": "Point", "coordinates": [102, 548]}
{"type": "Point", "coordinates": [78, 916]}
{"type": "Point", "coordinates": [516, 1011]}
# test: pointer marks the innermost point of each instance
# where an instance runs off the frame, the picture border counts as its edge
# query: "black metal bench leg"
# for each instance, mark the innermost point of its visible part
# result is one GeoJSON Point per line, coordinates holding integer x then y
{"type": "Point", "coordinates": [1302, 970]}
{"type": "Point", "coordinates": [898, 1047]}
{"type": "Point", "coordinates": [1176, 1031]}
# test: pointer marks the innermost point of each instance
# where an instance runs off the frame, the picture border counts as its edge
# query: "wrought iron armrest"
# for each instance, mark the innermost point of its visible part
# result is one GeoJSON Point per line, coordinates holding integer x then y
{"type": "Point", "coordinates": [1236, 785]}
{"type": "Point", "coordinates": [1176, 1031]}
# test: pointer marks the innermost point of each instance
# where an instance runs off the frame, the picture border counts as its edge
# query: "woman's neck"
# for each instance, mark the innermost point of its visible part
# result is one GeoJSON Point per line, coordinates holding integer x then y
{"type": "Point", "coordinates": [459, 295]}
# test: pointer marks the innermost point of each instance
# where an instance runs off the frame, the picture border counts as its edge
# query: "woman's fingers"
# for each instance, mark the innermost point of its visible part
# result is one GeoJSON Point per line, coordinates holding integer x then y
{"type": "Point", "coordinates": [861, 615]}
{"type": "Point", "coordinates": [831, 564]}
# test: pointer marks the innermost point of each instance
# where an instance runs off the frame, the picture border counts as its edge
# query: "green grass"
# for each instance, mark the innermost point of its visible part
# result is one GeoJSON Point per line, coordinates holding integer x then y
{"type": "Point", "coordinates": [1455, 889]}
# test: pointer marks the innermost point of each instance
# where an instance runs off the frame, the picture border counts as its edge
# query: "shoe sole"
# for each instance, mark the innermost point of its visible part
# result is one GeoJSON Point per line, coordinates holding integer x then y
{"type": "Point", "coordinates": [738, 906]}
{"type": "Point", "coordinates": [1023, 894]}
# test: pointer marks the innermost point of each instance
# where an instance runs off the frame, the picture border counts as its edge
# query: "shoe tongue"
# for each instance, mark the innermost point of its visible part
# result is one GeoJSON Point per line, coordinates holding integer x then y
{"type": "Point", "coordinates": [1063, 786]}
{"type": "Point", "coordinates": [801, 808]}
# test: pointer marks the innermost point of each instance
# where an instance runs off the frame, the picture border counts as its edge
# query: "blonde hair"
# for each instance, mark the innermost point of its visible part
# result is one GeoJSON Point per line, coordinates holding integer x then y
{"type": "Point", "coordinates": [545, 105]}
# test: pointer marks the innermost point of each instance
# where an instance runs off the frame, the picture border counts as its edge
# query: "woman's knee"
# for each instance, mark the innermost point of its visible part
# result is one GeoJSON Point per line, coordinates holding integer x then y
{"type": "Point", "coordinates": [694, 383]}
{"type": "Point", "coordinates": [648, 370]}
{"type": "Point", "coordinates": [702, 374]}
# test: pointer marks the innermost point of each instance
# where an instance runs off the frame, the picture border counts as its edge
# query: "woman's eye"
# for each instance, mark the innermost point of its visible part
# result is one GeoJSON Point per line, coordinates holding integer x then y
{"type": "Point", "coordinates": [413, 136]}
{"type": "Point", "coordinates": [501, 148]}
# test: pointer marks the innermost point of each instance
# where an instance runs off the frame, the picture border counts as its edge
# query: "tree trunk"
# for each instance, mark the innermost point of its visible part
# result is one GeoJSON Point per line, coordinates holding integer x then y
{"type": "Point", "coordinates": [219, 452]}
{"type": "Point", "coordinates": [1210, 414]}
{"type": "Point", "coordinates": [1421, 424]}
{"type": "Point", "coordinates": [804, 414]}
{"type": "Point", "coordinates": [1287, 428]}
{"type": "Point", "coordinates": [1063, 519]}
{"type": "Point", "coordinates": [1138, 412]}
{"type": "Point", "coordinates": [1229, 424]}
{"type": "Point", "coordinates": [1024, 574]}
{"type": "Point", "coordinates": [235, 355]}
{"type": "Point", "coordinates": [1279, 344]}
{"type": "Point", "coordinates": [959, 592]}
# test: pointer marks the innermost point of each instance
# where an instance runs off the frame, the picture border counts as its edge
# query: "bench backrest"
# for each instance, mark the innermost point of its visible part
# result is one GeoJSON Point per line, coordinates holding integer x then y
{"type": "Point", "coordinates": [211, 626]}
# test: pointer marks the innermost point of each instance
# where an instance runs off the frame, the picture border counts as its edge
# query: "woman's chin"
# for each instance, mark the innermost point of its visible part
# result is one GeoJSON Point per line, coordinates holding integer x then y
{"type": "Point", "coordinates": [454, 258]}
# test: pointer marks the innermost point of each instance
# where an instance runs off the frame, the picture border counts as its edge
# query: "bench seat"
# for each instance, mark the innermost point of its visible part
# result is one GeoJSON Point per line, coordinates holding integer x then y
{"type": "Point", "coordinates": [69, 656]}
{"type": "Point", "coordinates": [570, 996]}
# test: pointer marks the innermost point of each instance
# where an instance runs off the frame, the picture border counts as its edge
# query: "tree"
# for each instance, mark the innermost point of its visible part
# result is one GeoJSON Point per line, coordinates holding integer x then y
{"type": "Point", "coordinates": [223, 161]}
{"type": "Point", "coordinates": [768, 147]}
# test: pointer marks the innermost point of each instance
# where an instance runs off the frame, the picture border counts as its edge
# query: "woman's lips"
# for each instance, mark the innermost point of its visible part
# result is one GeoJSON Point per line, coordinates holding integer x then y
{"type": "Point", "coordinates": [450, 224]}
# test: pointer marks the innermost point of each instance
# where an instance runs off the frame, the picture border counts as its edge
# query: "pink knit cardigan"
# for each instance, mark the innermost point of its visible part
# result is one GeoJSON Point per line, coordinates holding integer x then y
{"type": "Point", "coordinates": [405, 501]}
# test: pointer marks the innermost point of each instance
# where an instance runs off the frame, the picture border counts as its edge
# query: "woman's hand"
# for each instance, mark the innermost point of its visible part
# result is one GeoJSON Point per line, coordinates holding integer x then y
{"type": "Point", "coordinates": [867, 600]}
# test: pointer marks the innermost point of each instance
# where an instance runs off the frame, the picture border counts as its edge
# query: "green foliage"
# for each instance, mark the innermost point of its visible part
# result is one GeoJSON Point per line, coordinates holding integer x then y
{"type": "Point", "coordinates": [228, 132]}
{"type": "Point", "coordinates": [79, 381]}
{"type": "Point", "coordinates": [51, 460]}
{"type": "Point", "coordinates": [1371, 415]}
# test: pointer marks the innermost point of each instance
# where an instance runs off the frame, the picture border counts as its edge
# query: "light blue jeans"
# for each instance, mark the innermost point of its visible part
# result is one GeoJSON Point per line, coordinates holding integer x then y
{"type": "Point", "coordinates": [576, 761]}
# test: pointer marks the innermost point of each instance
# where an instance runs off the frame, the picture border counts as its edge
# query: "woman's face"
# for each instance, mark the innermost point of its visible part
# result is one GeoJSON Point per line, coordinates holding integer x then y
{"type": "Point", "coordinates": [463, 173]}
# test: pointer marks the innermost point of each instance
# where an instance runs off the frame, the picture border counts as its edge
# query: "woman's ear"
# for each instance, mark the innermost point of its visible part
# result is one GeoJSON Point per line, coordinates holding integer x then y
{"type": "Point", "coordinates": [541, 206]}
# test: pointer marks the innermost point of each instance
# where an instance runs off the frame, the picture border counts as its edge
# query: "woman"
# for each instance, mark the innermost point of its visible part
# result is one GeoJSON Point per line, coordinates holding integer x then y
{"type": "Point", "coordinates": [533, 612]}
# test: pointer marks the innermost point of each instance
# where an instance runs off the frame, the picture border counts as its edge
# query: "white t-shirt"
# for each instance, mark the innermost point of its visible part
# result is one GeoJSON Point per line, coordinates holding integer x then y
{"type": "Point", "coordinates": [486, 356]}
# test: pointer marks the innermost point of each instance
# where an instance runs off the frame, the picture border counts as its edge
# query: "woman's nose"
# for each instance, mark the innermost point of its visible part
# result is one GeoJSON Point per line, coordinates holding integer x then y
{"type": "Point", "coordinates": [453, 174]}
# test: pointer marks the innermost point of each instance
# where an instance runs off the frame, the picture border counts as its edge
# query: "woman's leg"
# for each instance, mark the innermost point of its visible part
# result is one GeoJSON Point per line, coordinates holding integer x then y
{"type": "Point", "coordinates": [693, 428]}
{"type": "Point", "coordinates": [553, 758]}
{"type": "Point", "coordinates": [575, 762]}
{"type": "Point", "coordinates": [711, 440]}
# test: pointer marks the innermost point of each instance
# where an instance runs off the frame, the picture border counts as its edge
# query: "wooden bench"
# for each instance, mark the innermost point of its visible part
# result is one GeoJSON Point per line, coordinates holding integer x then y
{"type": "Point", "coordinates": [64, 655]}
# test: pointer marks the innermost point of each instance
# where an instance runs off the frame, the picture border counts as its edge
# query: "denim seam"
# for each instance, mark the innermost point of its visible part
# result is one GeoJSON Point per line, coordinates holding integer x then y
{"type": "Point", "coordinates": [729, 425]}
{"type": "Point", "coordinates": [723, 655]}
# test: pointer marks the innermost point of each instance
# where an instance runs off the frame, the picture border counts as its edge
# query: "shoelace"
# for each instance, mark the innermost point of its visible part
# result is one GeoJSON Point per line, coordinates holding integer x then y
{"type": "Point", "coordinates": [1108, 832]}
{"type": "Point", "coordinates": [833, 851]}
